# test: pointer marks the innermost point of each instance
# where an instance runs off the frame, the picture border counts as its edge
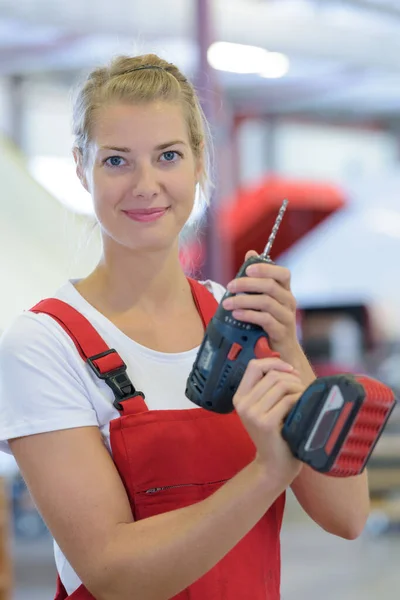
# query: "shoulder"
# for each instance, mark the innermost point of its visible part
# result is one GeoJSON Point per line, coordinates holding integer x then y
{"type": "Point", "coordinates": [43, 386]}
{"type": "Point", "coordinates": [36, 343]}
{"type": "Point", "coordinates": [35, 331]}
{"type": "Point", "coordinates": [30, 331]}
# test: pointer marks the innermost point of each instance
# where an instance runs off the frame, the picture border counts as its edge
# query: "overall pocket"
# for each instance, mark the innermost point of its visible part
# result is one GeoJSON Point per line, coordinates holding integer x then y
{"type": "Point", "coordinates": [250, 570]}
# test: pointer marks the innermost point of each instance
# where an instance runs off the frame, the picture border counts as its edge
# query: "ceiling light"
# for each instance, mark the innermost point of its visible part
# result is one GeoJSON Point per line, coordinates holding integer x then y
{"type": "Point", "coordinates": [236, 58]}
{"type": "Point", "coordinates": [241, 58]}
{"type": "Point", "coordinates": [277, 65]}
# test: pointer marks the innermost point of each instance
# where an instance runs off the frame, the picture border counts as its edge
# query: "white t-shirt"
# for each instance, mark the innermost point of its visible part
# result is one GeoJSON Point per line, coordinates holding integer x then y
{"type": "Point", "coordinates": [46, 386]}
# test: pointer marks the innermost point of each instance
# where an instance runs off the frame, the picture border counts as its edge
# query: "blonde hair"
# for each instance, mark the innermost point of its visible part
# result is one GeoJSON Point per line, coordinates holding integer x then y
{"type": "Point", "coordinates": [143, 79]}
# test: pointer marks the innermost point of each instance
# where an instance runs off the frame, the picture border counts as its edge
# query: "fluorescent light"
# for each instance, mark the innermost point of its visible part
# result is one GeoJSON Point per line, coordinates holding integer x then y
{"type": "Point", "coordinates": [241, 58]}
{"type": "Point", "coordinates": [57, 175]}
{"type": "Point", "coordinates": [236, 58]}
{"type": "Point", "coordinates": [276, 66]}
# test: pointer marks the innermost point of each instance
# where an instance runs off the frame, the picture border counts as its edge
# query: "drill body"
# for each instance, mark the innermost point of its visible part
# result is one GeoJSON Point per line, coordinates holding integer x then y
{"type": "Point", "coordinates": [224, 354]}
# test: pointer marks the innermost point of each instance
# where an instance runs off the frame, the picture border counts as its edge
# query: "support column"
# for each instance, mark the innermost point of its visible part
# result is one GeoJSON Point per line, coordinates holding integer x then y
{"type": "Point", "coordinates": [215, 261]}
{"type": "Point", "coordinates": [15, 128]}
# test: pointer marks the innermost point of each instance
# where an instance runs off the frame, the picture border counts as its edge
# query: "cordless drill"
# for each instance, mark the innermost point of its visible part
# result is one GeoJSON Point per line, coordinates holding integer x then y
{"type": "Point", "coordinates": [336, 422]}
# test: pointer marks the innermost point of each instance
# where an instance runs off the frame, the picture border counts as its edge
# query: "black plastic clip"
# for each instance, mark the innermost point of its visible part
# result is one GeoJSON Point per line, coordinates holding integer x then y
{"type": "Point", "coordinates": [116, 379]}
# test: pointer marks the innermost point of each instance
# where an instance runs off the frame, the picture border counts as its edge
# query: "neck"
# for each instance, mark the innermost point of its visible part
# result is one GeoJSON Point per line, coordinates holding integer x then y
{"type": "Point", "coordinates": [127, 280]}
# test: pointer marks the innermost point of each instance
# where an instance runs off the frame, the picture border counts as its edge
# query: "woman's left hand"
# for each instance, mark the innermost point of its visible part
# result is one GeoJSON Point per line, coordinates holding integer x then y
{"type": "Point", "coordinates": [272, 306]}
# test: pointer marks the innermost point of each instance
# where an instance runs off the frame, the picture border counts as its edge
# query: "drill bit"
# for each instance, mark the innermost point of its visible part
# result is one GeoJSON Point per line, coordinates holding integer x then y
{"type": "Point", "coordinates": [275, 228]}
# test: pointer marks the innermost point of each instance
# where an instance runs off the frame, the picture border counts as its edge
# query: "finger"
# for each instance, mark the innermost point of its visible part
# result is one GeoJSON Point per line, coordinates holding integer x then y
{"type": "Point", "coordinates": [277, 393]}
{"type": "Point", "coordinates": [269, 287]}
{"type": "Point", "coordinates": [260, 303]}
{"type": "Point", "coordinates": [276, 331]}
{"type": "Point", "coordinates": [250, 253]}
{"type": "Point", "coordinates": [256, 369]}
{"type": "Point", "coordinates": [279, 413]}
{"type": "Point", "coordinates": [268, 382]}
{"type": "Point", "coordinates": [280, 274]}
{"type": "Point", "coordinates": [262, 399]}
{"type": "Point", "coordinates": [273, 418]}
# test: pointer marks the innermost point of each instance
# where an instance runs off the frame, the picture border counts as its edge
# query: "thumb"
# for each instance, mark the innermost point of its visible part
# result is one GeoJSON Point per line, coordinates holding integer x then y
{"type": "Point", "coordinates": [250, 253]}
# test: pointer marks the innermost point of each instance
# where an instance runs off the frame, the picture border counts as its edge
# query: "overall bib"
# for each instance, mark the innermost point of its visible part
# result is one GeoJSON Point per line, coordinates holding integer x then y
{"type": "Point", "coordinates": [169, 459]}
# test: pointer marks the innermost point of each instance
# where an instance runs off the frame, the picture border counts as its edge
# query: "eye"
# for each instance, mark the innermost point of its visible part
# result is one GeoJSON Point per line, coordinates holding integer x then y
{"type": "Point", "coordinates": [170, 155]}
{"type": "Point", "coordinates": [114, 161]}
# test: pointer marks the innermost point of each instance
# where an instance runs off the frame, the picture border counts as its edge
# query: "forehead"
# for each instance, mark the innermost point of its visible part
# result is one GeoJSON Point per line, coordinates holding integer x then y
{"type": "Point", "coordinates": [151, 123]}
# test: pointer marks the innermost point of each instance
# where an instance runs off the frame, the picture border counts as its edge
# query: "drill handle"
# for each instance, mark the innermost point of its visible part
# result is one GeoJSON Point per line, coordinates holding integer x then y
{"type": "Point", "coordinates": [253, 260]}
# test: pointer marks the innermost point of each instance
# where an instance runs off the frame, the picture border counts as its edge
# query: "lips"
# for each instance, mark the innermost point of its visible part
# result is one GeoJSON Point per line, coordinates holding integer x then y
{"type": "Point", "coordinates": [146, 211]}
{"type": "Point", "coordinates": [146, 214]}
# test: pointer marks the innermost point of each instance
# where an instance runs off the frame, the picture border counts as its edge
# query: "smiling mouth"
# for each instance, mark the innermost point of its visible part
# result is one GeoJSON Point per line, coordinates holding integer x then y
{"type": "Point", "coordinates": [146, 211]}
{"type": "Point", "coordinates": [146, 214]}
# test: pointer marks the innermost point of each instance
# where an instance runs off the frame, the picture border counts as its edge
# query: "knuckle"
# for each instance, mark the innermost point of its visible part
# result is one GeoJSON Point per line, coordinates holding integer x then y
{"type": "Point", "coordinates": [265, 302]}
{"type": "Point", "coordinates": [267, 320]}
{"type": "Point", "coordinates": [270, 285]}
{"type": "Point", "coordinates": [291, 400]}
{"type": "Point", "coordinates": [283, 387]}
{"type": "Point", "coordinates": [236, 402]}
{"type": "Point", "coordinates": [239, 409]}
{"type": "Point", "coordinates": [254, 365]}
{"type": "Point", "coordinates": [274, 376]}
{"type": "Point", "coordinates": [252, 415]}
{"type": "Point", "coordinates": [286, 274]}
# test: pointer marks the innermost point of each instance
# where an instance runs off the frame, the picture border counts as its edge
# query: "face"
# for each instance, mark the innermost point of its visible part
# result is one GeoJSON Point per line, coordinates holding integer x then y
{"type": "Point", "coordinates": [141, 174]}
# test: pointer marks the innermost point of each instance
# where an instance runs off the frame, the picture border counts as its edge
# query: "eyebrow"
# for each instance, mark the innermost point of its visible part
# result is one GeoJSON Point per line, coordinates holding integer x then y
{"type": "Point", "coordinates": [168, 144]}
{"type": "Point", "coordinates": [116, 148]}
{"type": "Point", "coordinates": [127, 150]}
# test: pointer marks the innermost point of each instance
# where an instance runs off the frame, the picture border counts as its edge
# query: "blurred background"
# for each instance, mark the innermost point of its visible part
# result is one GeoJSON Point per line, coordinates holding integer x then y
{"type": "Point", "coordinates": [303, 98]}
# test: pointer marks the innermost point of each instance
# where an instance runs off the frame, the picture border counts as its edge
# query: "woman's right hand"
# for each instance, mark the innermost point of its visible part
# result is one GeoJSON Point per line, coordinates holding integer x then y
{"type": "Point", "coordinates": [266, 394]}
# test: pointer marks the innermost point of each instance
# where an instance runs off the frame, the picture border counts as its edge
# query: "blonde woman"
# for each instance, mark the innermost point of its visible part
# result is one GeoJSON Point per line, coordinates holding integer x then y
{"type": "Point", "coordinates": [146, 495]}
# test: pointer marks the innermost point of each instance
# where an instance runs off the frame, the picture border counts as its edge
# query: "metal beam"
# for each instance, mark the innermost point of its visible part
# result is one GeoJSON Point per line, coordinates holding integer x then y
{"type": "Point", "coordinates": [16, 111]}
{"type": "Point", "coordinates": [216, 257]}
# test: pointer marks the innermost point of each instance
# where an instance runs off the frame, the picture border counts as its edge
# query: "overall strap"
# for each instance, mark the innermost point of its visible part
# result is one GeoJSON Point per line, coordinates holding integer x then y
{"type": "Point", "coordinates": [104, 361]}
{"type": "Point", "coordinates": [205, 301]}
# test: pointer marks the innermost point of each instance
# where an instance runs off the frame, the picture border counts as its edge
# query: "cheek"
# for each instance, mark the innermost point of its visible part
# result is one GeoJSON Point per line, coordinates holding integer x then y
{"type": "Point", "coordinates": [185, 185]}
{"type": "Point", "coordinates": [107, 189]}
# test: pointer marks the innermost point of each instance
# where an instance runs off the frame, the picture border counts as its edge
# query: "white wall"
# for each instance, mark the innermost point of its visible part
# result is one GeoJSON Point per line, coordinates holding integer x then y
{"type": "Point", "coordinates": [313, 151]}
{"type": "Point", "coordinates": [48, 120]}
{"type": "Point", "coordinates": [40, 242]}
{"type": "Point", "coordinates": [333, 153]}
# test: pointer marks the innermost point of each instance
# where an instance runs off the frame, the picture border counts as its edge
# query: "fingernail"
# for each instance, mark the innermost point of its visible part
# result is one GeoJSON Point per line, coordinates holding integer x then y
{"type": "Point", "coordinates": [252, 270]}
{"type": "Point", "coordinates": [231, 286]}
{"type": "Point", "coordinates": [228, 303]}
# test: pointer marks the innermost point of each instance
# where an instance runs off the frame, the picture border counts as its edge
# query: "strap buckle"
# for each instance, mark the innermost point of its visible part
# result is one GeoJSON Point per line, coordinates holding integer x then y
{"type": "Point", "coordinates": [117, 379]}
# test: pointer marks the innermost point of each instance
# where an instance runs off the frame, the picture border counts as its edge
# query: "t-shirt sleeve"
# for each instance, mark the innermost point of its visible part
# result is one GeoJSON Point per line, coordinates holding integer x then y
{"type": "Point", "coordinates": [215, 288]}
{"type": "Point", "coordinates": [40, 386]}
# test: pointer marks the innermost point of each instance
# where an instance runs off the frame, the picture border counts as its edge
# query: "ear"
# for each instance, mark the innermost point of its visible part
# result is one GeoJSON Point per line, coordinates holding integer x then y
{"type": "Point", "coordinates": [80, 171]}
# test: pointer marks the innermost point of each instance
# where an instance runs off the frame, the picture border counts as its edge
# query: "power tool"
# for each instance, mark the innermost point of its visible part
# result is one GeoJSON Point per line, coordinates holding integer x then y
{"type": "Point", "coordinates": [337, 421]}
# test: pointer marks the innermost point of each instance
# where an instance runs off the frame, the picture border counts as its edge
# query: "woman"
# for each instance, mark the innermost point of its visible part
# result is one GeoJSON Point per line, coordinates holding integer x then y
{"type": "Point", "coordinates": [145, 498]}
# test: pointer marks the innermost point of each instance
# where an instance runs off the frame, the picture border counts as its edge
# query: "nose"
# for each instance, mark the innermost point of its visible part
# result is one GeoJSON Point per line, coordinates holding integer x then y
{"type": "Point", "coordinates": [145, 182]}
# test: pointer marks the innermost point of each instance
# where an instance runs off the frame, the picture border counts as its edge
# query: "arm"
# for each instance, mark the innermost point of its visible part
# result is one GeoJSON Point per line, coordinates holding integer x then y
{"type": "Point", "coordinates": [340, 506]}
{"type": "Point", "coordinates": [77, 489]}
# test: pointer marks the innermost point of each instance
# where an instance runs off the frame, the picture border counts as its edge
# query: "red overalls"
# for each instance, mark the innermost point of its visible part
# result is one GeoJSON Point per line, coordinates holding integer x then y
{"type": "Point", "coordinates": [169, 459]}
